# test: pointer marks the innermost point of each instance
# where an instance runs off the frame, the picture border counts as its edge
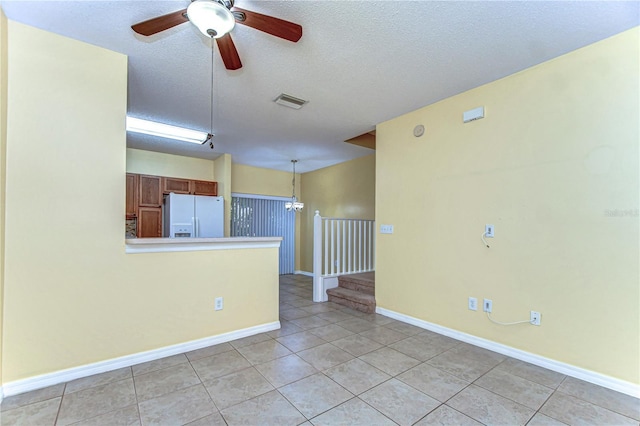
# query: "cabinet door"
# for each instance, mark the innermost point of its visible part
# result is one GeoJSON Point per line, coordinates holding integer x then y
{"type": "Point", "coordinates": [204, 187]}
{"type": "Point", "coordinates": [150, 194]}
{"type": "Point", "coordinates": [132, 196]}
{"type": "Point", "coordinates": [176, 185]}
{"type": "Point", "coordinates": [149, 222]}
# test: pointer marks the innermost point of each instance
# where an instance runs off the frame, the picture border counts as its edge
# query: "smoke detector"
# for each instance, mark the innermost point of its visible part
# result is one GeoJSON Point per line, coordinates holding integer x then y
{"type": "Point", "coordinates": [289, 101]}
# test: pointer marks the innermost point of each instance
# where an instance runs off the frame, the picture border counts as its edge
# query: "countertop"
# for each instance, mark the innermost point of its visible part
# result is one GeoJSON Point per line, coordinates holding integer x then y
{"type": "Point", "coordinates": [153, 245]}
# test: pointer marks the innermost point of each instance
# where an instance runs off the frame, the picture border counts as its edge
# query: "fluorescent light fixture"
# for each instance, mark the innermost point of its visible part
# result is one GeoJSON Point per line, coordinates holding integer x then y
{"type": "Point", "coordinates": [153, 128]}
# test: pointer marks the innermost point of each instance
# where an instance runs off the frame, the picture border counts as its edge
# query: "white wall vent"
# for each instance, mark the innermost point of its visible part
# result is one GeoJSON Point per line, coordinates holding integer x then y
{"type": "Point", "coordinates": [473, 114]}
{"type": "Point", "coordinates": [289, 101]}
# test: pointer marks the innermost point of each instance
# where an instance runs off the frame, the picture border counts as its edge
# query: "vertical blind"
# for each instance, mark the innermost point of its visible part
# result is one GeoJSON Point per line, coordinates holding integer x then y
{"type": "Point", "coordinates": [259, 217]}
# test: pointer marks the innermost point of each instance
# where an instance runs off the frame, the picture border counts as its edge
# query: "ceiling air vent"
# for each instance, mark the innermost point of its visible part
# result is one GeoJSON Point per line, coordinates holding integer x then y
{"type": "Point", "coordinates": [289, 101]}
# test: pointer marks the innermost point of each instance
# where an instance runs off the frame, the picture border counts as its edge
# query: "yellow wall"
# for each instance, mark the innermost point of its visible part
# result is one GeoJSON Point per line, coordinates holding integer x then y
{"type": "Point", "coordinates": [346, 190]}
{"type": "Point", "coordinates": [72, 296]}
{"type": "Point", "coordinates": [556, 151]}
{"type": "Point", "coordinates": [160, 164]}
{"type": "Point", "coordinates": [259, 181]}
{"type": "Point", "coordinates": [223, 177]}
{"type": "Point", "coordinates": [3, 160]}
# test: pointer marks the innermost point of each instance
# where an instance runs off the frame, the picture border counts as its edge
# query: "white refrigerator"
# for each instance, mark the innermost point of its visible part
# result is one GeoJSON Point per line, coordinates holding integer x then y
{"type": "Point", "coordinates": [190, 216]}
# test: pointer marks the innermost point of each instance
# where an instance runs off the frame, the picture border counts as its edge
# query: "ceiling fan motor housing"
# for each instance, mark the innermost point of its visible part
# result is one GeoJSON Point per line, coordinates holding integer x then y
{"type": "Point", "coordinates": [212, 17]}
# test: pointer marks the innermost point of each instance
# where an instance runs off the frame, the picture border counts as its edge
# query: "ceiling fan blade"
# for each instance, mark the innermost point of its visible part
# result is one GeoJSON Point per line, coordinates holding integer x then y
{"type": "Point", "coordinates": [229, 53]}
{"type": "Point", "coordinates": [270, 25]}
{"type": "Point", "coordinates": [161, 23]}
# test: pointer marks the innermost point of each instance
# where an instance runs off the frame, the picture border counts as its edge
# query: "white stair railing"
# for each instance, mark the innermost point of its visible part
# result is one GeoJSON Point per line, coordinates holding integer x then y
{"type": "Point", "coordinates": [340, 246]}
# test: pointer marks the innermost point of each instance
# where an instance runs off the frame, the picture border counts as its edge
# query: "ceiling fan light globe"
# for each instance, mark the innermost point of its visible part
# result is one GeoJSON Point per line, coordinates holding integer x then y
{"type": "Point", "coordinates": [209, 15]}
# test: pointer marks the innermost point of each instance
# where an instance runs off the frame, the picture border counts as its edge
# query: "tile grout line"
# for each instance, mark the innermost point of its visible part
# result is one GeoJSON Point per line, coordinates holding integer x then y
{"type": "Point", "coordinates": [205, 389]}
{"type": "Point", "coordinates": [590, 403]}
{"type": "Point", "coordinates": [241, 402]}
{"type": "Point", "coordinates": [135, 393]}
{"type": "Point", "coordinates": [543, 404]}
{"type": "Point", "coordinates": [101, 414]}
{"type": "Point", "coordinates": [440, 402]}
{"type": "Point", "coordinates": [64, 389]}
{"type": "Point", "coordinates": [510, 399]}
{"type": "Point", "coordinates": [553, 392]}
{"type": "Point", "coordinates": [291, 402]}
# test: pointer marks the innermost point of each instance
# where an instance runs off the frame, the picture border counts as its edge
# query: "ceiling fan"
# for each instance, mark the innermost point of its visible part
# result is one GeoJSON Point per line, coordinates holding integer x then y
{"type": "Point", "coordinates": [215, 19]}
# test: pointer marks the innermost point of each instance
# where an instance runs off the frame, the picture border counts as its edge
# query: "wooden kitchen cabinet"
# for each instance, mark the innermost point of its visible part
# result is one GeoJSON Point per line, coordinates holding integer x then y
{"type": "Point", "coordinates": [144, 199]}
{"type": "Point", "coordinates": [149, 222]}
{"type": "Point", "coordinates": [176, 185]}
{"type": "Point", "coordinates": [132, 196]}
{"type": "Point", "coordinates": [189, 186]}
{"type": "Point", "coordinates": [150, 191]}
{"type": "Point", "coordinates": [204, 187]}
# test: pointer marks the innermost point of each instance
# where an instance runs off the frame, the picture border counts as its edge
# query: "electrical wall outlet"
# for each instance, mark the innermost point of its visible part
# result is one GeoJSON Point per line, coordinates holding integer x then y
{"type": "Point", "coordinates": [535, 318]}
{"type": "Point", "coordinates": [219, 303]}
{"type": "Point", "coordinates": [487, 305]}
{"type": "Point", "coordinates": [473, 304]}
{"type": "Point", "coordinates": [488, 230]}
{"type": "Point", "coordinates": [386, 229]}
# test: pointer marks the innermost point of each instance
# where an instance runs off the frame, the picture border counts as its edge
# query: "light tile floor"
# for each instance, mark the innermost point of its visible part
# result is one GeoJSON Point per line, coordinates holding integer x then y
{"type": "Point", "coordinates": [327, 365]}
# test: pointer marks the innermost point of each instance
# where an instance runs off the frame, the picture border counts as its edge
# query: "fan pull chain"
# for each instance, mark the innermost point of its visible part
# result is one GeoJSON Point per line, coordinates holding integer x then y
{"type": "Point", "coordinates": [210, 135]}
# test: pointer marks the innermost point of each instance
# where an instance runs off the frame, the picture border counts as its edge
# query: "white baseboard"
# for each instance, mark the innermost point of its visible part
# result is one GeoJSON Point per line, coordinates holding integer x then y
{"type": "Point", "coordinates": [1, 395]}
{"type": "Point", "coordinates": [308, 274]}
{"type": "Point", "coordinates": [548, 363]}
{"type": "Point", "coordinates": [50, 379]}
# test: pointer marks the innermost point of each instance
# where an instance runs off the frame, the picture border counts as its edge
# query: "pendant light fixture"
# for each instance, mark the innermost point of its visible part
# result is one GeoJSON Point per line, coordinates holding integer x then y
{"type": "Point", "coordinates": [294, 204]}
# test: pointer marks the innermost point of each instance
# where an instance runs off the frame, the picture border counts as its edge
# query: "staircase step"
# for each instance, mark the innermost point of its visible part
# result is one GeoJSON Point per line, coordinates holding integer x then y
{"type": "Point", "coordinates": [352, 282]}
{"type": "Point", "coordinates": [363, 282]}
{"type": "Point", "coordinates": [353, 299]}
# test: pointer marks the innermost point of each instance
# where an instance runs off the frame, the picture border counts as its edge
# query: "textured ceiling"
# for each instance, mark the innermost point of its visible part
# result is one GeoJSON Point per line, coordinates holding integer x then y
{"type": "Point", "coordinates": [358, 63]}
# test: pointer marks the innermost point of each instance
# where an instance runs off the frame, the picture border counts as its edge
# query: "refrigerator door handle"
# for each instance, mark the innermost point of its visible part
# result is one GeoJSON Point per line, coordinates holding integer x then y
{"type": "Point", "coordinates": [197, 227]}
{"type": "Point", "coordinates": [193, 226]}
